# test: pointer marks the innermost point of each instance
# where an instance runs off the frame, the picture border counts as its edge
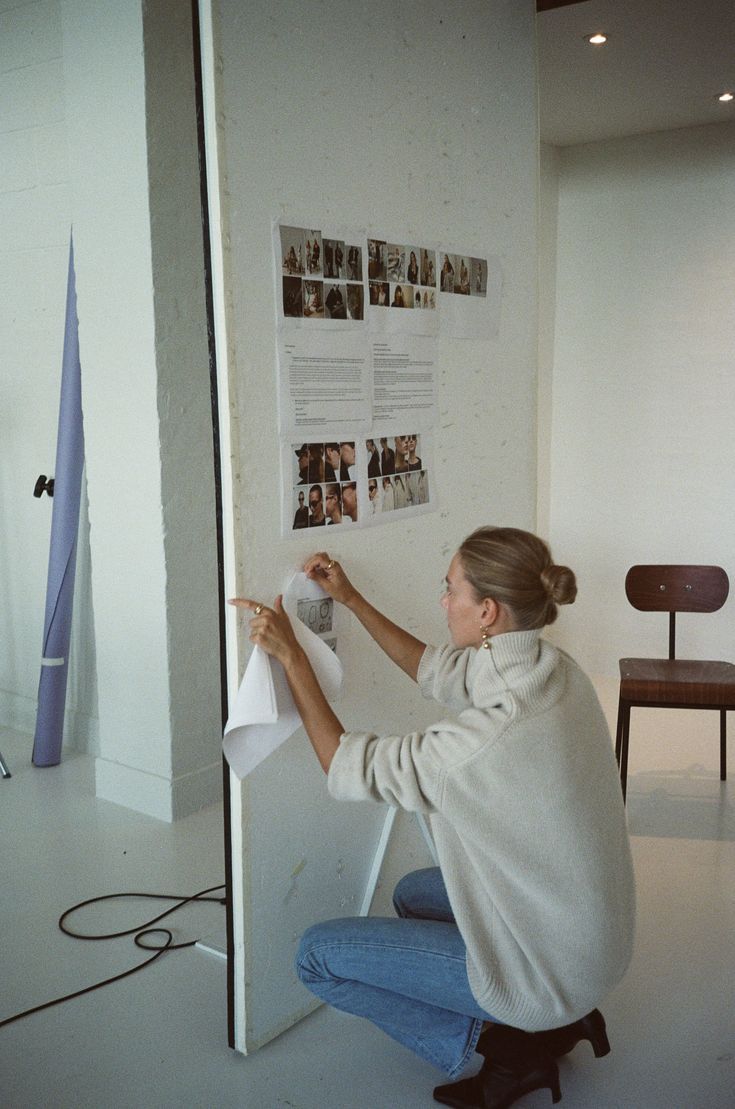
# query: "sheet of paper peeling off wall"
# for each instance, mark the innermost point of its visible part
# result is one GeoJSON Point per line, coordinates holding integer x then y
{"type": "Point", "coordinates": [264, 714]}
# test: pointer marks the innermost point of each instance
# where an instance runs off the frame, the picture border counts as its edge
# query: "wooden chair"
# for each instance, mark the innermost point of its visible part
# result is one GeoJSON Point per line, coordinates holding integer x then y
{"type": "Point", "coordinates": [674, 683]}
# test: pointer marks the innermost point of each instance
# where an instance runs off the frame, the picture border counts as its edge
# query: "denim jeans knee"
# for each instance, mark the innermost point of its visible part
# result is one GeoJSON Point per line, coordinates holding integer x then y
{"type": "Point", "coordinates": [407, 976]}
{"type": "Point", "coordinates": [422, 895]}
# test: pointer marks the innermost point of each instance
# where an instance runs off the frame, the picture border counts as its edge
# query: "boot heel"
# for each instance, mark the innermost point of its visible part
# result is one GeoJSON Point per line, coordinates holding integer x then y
{"type": "Point", "coordinates": [555, 1087]}
{"type": "Point", "coordinates": [594, 1030]}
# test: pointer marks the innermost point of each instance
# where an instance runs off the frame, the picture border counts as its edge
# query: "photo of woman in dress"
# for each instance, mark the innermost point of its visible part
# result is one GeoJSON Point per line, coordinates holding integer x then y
{"type": "Point", "coordinates": [313, 302]}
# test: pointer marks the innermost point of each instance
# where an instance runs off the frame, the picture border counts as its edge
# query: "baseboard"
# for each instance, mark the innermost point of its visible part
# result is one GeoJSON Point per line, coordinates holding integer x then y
{"type": "Point", "coordinates": [162, 798]}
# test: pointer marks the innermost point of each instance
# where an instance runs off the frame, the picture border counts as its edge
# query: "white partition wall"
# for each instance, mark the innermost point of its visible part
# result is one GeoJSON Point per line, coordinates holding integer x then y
{"type": "Point", "coordinates": [417, 121]}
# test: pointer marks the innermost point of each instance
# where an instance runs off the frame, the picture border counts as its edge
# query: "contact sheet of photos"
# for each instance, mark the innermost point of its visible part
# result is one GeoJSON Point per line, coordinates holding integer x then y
{"type": "Point", "coordinates": [360, 483]}
{"type": "Point", "coordinates": [358, 319]}
{"type": "Point", "coordinates": [323, 276]}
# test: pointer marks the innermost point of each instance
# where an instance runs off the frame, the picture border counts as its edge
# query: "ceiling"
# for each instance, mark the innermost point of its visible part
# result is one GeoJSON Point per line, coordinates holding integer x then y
{"type": "Point", "coordinates": [663, 66]}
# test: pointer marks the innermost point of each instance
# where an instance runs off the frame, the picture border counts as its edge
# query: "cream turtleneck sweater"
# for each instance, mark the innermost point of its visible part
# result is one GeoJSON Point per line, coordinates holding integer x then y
{"type": "Point", "coordinates": [521, 789]}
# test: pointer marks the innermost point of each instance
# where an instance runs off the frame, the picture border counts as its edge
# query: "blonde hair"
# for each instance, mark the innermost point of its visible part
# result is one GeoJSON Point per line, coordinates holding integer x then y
{"type": "Point", "coordinates": [516, 569]}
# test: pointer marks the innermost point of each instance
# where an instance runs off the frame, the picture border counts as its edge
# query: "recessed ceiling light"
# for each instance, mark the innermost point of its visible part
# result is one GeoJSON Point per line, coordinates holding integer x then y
{"type": "Point", "coordinates": [597, 39]}
{"type": "Point", "coordinates": [725, 96]}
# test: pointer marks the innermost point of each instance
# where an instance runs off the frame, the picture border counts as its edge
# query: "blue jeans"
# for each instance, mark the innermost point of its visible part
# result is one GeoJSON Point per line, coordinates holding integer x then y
{"type": "Point", "coordinates": [408, 976]}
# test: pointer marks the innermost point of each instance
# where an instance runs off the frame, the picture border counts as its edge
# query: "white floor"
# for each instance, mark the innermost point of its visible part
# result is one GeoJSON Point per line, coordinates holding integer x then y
{"type": "Point", "coordinates": [157, 1040]}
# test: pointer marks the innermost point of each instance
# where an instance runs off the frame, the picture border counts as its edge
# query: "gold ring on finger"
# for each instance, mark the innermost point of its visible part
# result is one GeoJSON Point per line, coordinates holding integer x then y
{"type": "Point", "coordinates": [258, 610]}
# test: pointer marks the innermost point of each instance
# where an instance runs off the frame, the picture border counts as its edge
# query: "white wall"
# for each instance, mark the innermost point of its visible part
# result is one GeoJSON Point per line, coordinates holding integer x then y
{"type": "Point", "coordinates": [35, 221]}
{"type": "Point", "coordinates": [418, 121]}
{"type": "Point", "coordinates": [642, 449]}
{"type": "Point", "coordinates": [97, 126]}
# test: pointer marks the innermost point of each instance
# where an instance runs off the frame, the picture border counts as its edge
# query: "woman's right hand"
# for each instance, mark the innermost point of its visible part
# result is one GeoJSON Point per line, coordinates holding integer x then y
{"type": "Point", "coordinates": [331, 577]}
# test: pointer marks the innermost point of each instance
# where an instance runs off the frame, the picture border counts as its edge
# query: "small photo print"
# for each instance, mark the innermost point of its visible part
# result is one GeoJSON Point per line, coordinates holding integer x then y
{"type": "Point", "coordinates": [462, 277]}
{"type": "Point", "coordinates": [355, 302]}
{"type": "Point", "coordinates": [301, 511]}
{"type": "Point", "coordinates": [376, 259]}
{"type": "Point", "coordinates": [387, 457]}
{"type": "Point", "coordinates": [313, 300]}
{"type": "Point", "coordinates": [332, 461]}
{"type": "Point", "coordinates": [317, 516]}
{"type": "Point", "coordinates": [334, 258]}
{"type": "Point", "coordinates": [333, 502]}
{"type": "Point", "coordinates": [292, 250]}
{"type": "Point", "coordinates": [313, 249]}
{"type": "Point", "coordinates": [293, 296]}
{"type": "Point", "coordinates": [387, 495]}
{"type": "Point", "coordinates": [428, 267]}
{"type": "Point", "coordinates": [418, 487]}
{"type": "Point", "coordinates": [334, 302]}
{"type": "Point", "coordinates": [412, 265]}
{"type": "Point", "coordinates": [395, 262]}
{"type": "Point", "coordinates": [447, 274]}
{"type": "Point", "coordinates": [373, 457]}
{"type": "Point", "coordinates": [406, 453]}
{"type": "Point", "coordinates": [427, 297]}
{"type": "Point", "coordinates": [301, 463]}
{"type": "Point", "coordinates": [349, 502]}
{"type": "Point", "coordinates": [402, 297]}
{"type": "Point", "coordinates": [414, 292]}
{"type": "Point", "coordinates": [347, 464]}
{"type": "Point", "coordinates": [379, 292]}
{"type": "Point", "coordinates": [354, 263]}
{"type": "Point", "coordinates": [478, 277]}
{"type": "Point", "coordinates": [375, 495]}
{"type": "Point", "coordinates": [316, 462]}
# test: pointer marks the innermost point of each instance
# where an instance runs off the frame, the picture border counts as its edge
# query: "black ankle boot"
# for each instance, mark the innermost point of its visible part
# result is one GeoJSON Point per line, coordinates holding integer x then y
{"type": "Point", "coordinates": [515, 1064]}
{"type": "Point", "coordinates": [560, 1041]}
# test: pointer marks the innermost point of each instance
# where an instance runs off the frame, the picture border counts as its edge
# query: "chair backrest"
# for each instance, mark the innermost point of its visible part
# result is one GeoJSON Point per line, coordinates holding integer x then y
{"type": "Point", "coordinates": [675, 589]}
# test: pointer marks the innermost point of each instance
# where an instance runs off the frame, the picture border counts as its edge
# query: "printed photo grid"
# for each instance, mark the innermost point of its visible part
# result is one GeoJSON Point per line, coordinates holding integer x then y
{"type": "Point", "coordinates": [324, 486]}
{"type": "Point", "coordinates": [322, 278]}
{"type": "Point", "coordinates": [396, 475]}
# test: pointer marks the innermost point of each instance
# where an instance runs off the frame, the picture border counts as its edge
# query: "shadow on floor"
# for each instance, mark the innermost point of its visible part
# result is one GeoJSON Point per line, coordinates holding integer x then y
{"type": "Point", "coordinates": [689, 804]}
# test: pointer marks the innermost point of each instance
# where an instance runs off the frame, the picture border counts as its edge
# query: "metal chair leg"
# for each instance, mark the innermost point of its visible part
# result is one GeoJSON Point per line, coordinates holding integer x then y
{"type": "Point", "coordinates": [4, 767]}
{"type": "Point", "coordinates": [619, 730]}
{"type": "Point", "coordinates": [723, 745]}
{"type": "Point", "coordinates": [624, 728]}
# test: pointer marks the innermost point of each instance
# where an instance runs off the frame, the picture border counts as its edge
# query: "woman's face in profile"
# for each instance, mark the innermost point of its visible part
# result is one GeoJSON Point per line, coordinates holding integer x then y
{"type": "Point", "coordinates": [464, 612]}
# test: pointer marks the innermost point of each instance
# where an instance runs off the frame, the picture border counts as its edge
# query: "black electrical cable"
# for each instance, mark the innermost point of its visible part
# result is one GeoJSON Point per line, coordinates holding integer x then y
{"type": "Point", "coordinates": [139, 932]}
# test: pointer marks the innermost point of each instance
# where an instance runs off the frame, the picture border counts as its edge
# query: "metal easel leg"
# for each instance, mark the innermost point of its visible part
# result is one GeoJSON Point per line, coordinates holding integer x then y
{"type": "Point", "coordinates": [382, 847]}
{"type": "Point", "coordinates": [381, 850]}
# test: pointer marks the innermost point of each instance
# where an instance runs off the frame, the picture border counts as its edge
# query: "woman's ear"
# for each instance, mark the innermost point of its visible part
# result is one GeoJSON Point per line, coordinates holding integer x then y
{"type": "Point", "coordinates": [490, 611]}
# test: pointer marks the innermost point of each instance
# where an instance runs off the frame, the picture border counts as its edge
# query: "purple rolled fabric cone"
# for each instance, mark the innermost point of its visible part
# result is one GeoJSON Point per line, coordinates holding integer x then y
{"type": "Point", "coordinates": [63, 546]}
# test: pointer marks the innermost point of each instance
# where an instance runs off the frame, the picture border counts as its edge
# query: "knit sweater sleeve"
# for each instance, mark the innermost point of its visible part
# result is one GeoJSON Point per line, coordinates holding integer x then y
{"type": "Point", "coordinates": [443, 675]}
{"type": "Point", "coordinates": [406, 771]}
{"type": "Point", "coordinates": [397, 769]}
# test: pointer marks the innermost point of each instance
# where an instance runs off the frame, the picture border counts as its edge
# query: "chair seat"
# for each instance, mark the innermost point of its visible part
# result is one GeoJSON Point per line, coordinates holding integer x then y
{"type": "Point", "coordinates": [677, 681]}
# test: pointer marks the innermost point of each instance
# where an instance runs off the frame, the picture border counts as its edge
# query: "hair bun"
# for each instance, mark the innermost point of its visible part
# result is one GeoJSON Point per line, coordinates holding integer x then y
{"type": "Point", "coordinates": [560, 584]}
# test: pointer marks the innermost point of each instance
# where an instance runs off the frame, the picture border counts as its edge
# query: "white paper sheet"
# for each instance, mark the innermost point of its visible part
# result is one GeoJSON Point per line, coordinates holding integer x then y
{"type": "Point", "coordinates": [264, 714]}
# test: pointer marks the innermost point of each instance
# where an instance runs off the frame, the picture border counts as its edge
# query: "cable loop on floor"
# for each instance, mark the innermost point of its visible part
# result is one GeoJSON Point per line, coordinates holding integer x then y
{"type": "Point", "coordinates": [139, 932]}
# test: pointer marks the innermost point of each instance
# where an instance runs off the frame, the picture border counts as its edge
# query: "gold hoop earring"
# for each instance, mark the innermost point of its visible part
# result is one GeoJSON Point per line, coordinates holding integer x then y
{"type": "Point", "coordinates": [486, 638]}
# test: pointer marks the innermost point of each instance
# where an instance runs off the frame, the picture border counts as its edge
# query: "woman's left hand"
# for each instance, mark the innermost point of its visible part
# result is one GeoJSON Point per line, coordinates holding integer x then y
{"type": "Point", "coordinates": [270, 628]}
